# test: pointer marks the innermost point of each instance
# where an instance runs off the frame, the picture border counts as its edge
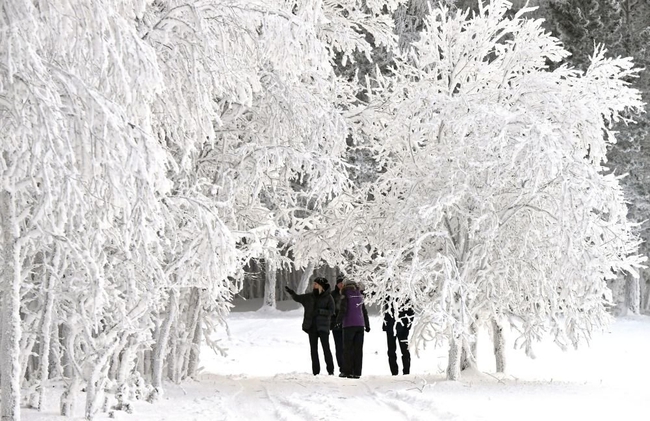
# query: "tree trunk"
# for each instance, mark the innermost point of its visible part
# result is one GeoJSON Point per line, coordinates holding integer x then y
{"type": "Point", "coordinates": [645, 288]}
{"type": "Point", "coordinates": [632, 294]}
{"type": "Point", "coordinates": [145, 364]}
{"type": "Point", "coordinates": [468, 354]}
{"type": "Point", "coordinates": [114, 366]}
{"type": "Point", "coordinates": [64, 340]}
{"type": "Point", "coordinates": [128, 361]}
{"type": "Point", "coordinates": [187, 336]}
{"type": "Point", "coordinates": [196, 329]}
{"type": "Point", "coordinates": [173, 354]}
{"type": "Point", "coordinates": [11, 328]}
{"type": "Point", "coordinates": [499, 346]}
{"type": "Point", "coordinates": [259, 292]}
{"type": "Point", "coordinates": [453, 364]}
{"type": "Point", "coordinates": [195, 352]}
{"type": "Point", "coordinates": [71, 370]}
{"type": "Point", "coordinates": [269, 285]}
{"type": "Point", "coordinates": [28, 340]}
{"type": "Point", "coordinates": [46, 332]}
{"type": "Point", "coordinates": [304, 279]}
{"type": "Point", "coordinates": [95, 385]}
{"type": "Point", "coordinates": [1, 326]}
{"type": "Point", "coordinates": [69, 397]}
{"type": "Point", "coordinates": [160, 350]}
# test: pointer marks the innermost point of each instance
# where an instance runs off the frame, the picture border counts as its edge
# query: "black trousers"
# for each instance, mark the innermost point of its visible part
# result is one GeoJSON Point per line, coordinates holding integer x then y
{"type": "Point", "coordinates": [402, 338]}
{"type": "Point", "coordinates": [352, 350]}
{"type": "Point", "coordinates": [338, 344]}
{"type": "Point", "coordinates": [325, 343]}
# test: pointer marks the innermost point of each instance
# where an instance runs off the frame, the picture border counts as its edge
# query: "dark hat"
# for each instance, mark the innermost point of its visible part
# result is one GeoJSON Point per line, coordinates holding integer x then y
{"type": "Point", "coordinates": [322, 282]}
{"type": "Point", "coordinates": [340, 278]}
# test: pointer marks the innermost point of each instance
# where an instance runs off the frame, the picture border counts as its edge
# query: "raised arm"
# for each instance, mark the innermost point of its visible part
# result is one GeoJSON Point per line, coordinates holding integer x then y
{"type": "Point", "coordinates": [296, 297]}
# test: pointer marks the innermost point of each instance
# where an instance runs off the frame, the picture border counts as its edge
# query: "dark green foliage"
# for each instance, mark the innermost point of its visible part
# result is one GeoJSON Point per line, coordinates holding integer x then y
{"type": "Point", "coordinates": [409, 21]}
{"type": "Point", "coordinates": [581, 24]}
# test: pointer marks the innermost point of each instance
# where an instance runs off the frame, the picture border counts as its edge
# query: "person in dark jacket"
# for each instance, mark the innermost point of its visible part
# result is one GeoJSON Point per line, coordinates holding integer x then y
{"type": "Point", "coordinates": [397, 330]}
{"type": "Point", "coordinates": [337, 331]}
{"type": "Point", "coordinates": [319, 307]}
{"type": "Point", "coordinates": [353, 318]}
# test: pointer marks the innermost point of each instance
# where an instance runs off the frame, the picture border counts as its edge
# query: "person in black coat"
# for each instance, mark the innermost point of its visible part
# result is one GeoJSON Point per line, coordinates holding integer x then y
{"type": "Point", "coordinates": [337, 331]}
{"type": "Point", "coordinates": [397, 330]}
{"type": "Point", "coordinates": [319, 308]}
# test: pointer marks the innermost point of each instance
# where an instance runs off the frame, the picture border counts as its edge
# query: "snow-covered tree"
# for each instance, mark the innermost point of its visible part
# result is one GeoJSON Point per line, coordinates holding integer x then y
{"type": "Point", "coordinates": [149, 150]}
{"type": "Point", "coordinates": [623, 27]}
{"type": "Point", "coordinates": [71, 118]}
{"type": "Point", "coordinates": [493, 202]}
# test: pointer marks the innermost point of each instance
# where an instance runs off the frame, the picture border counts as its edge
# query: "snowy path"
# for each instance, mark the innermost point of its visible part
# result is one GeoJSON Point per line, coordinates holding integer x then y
{"type": "Point", "coordinates": [300, 397]}
{"type": "Point", "coordinates": [266, 376]}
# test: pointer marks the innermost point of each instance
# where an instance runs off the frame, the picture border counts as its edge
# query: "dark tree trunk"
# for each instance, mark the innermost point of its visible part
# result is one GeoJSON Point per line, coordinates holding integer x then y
{"type": "Point", "coordinates": [499, 346]}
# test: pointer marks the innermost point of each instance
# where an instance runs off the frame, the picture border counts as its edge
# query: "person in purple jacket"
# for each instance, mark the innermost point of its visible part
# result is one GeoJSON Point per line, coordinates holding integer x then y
{"type": "Point", "coordinates": [353, 317]}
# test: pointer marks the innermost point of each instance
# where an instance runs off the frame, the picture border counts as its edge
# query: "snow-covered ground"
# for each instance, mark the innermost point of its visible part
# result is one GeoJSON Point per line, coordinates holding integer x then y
{"type": "Point", "coordinates": [267, 376]}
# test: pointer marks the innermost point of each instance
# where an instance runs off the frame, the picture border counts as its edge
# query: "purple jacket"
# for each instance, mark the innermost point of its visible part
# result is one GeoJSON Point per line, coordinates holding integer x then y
{"type": "Point", "coordinates": [353, 311]}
